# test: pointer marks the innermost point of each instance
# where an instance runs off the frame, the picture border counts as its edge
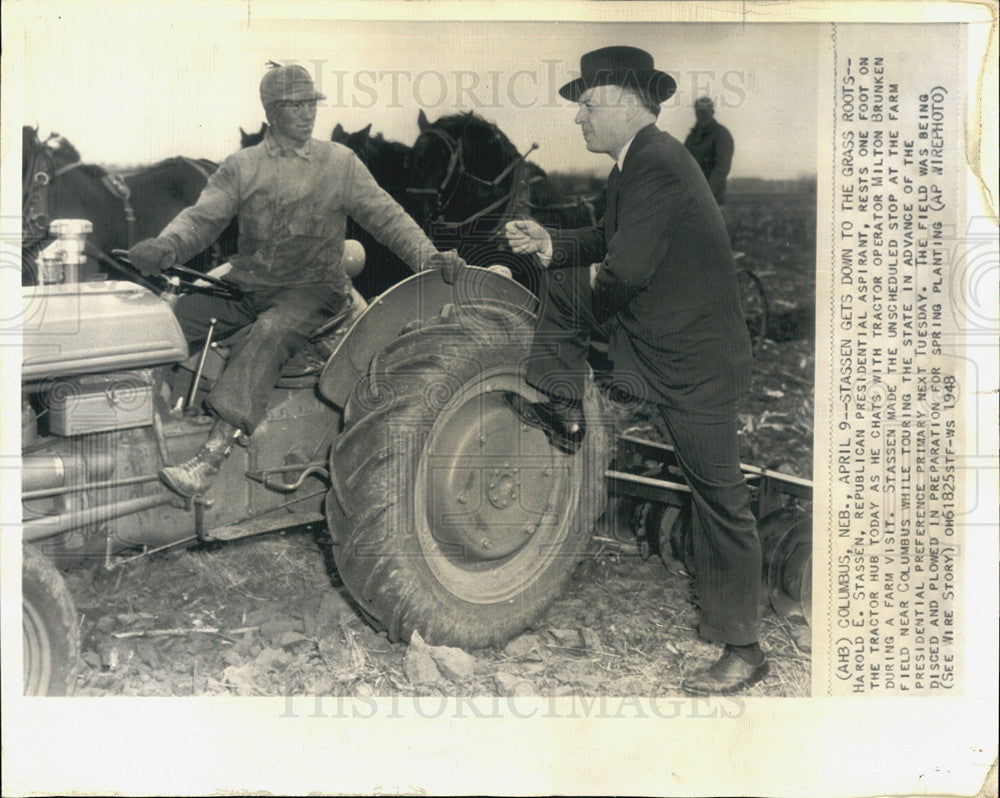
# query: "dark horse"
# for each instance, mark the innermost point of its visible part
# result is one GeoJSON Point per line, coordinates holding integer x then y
{"type": "Point", "coordinates": [252, 139]}
{"type": "Point", "coordinates": [123, 210]}
{"type": "Point", "coordinates": [388, 161]}
{"type": "Point", "coordinates": [466, 181]}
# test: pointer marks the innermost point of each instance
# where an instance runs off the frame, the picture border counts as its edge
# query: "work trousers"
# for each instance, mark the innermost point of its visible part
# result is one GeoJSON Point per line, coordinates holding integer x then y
{"type": "Point", "coordinates": [726, 549]}
{"type": "Point", "coordinates": [279, 322]}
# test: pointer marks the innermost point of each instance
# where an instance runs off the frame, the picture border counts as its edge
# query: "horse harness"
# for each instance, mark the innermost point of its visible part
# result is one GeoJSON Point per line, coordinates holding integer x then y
{"type": "Point", "coordinates": [457, 170]}
{"type": "Point", "coordinates": [35, 190]}
{"type": "Point", "coordinates": [116, 185]}
{"type": "Point", "coordinates": [576, 203]}
{"type": "Point", "coordinates": [35, 195]}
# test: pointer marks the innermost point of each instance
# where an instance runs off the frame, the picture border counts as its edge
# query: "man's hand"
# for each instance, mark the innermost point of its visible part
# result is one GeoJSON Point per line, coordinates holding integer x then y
{"type": "Point", "coordinates": [594, 269]}
{"type": "Point", "coordinates": [448, 262]}
{"type": "Point", "coordinates": [152, 256]}
{"type": "Point", "coordinates": [526, 237]}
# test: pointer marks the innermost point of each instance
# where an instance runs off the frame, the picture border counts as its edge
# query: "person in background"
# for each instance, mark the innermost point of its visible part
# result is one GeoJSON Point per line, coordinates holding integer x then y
{"type": "Point", "coordinates": [712, 146]}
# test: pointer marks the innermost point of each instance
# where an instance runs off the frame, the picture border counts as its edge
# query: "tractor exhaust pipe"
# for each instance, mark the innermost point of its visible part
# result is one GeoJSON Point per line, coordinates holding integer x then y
{"type": "Point", "coordinates": [50, 469]}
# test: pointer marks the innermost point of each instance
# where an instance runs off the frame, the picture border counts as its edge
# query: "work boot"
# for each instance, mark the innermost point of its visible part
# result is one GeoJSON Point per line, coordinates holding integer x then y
{"type": "Point", "coordinates": [196, 475]}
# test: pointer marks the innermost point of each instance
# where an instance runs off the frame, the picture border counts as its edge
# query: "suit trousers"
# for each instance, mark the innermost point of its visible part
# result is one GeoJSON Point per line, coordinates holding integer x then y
{"type": "Point", "coordinates": [278, 323]}
{"type": "Point", "coordinates": [726, 549]}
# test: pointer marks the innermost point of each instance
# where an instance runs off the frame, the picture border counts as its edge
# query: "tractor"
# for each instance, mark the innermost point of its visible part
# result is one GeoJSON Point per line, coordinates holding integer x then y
{"type": "Point", "coordinates": [447, 514]}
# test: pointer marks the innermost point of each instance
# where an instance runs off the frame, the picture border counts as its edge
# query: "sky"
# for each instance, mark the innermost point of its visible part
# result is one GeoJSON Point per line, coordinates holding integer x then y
{"type": "Point", "coordinates": [173, 85]}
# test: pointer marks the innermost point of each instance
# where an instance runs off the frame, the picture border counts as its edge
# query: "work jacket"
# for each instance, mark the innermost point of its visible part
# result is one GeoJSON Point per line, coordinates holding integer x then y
{"type": "Point", "coordinates": [292, 205]}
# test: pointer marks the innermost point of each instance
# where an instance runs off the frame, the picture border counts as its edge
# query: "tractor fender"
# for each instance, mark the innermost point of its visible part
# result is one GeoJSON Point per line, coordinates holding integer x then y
{"type": "Point", "coordinates": [420, 297]}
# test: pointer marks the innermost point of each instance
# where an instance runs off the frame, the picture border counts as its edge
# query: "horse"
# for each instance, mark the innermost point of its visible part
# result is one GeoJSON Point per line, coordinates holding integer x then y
{"type": "Point", "coordinates": [252, 139]}
{"type": "Point", "coordinates": [466, 180]}
{"type": "Point", "coordinates": [388, 161]}
{"type": "Point", "coordinates": [463, 168]}
{"type": "Point", "coordinates": [56, 184]}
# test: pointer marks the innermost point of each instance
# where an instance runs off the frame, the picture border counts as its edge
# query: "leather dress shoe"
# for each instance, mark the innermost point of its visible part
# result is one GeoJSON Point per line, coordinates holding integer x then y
{"type": "Point", "coordinates": [730, 674]}
{"type": "Point", "coordinates": [562, 420]}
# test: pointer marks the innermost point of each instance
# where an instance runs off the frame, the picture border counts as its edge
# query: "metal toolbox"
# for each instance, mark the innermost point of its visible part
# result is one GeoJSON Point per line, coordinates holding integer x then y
{"type": "Point", "coordinates": [100, 402]}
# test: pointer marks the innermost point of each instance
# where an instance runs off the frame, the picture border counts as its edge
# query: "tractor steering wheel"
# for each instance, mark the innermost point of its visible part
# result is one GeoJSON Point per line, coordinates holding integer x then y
{"type": "Point", "coordinates": [179, 279]}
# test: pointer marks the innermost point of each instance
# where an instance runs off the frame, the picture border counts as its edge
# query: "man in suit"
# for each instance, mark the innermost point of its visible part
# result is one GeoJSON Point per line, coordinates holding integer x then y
{"type": "Point", "coordinates": [659, 279]}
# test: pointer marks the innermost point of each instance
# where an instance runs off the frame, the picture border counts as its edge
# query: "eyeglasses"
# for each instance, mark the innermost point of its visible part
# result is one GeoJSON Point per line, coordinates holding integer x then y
{"type": "Point", "coordinates": [297, 105]}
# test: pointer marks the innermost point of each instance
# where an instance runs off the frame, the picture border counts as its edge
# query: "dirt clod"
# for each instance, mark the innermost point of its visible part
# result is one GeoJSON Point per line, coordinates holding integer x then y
{"type": "Point", "coordinates": [454, 663]}
{"type": "Point", "coordinates": [92, 658]}
{"type": "Point", "coordinates": [592, 640]}
{"type": "Point", "coordinates": [510, 685]}
{"type": "Point", "coordinates": [114, 655]}
{"type": "Point", "coordinates": [242, 679]}
{"type": "Point", "coordinates": [273, 630]}
{"type": "Point", "coordinates": [333, 607]}
{"type": "Point", "coordinates": [377, 643]}
{"type": "Point", "coordinates": [335, 654]}
{"type": "Point", "coordinates": [291, 639]}
{"type": "Point", "coordinates": [569, 638]}
{"type": "Point", "coordinates": [420, 667]}
{"type": "Point", "coordinates": [527, 646]}
{"type": "Point", "coordinates": [233, 657]}
{"type": "Point", "coordinates": [272, 658]}
{"type": "Point", "coordinates": [105, 624]}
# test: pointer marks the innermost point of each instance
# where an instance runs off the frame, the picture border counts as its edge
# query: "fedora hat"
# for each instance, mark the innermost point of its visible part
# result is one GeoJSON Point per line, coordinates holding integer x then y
{"type": "Point", "coordinates": [288, 82]}
{"type": "Point", "coordinates": [620, 66]}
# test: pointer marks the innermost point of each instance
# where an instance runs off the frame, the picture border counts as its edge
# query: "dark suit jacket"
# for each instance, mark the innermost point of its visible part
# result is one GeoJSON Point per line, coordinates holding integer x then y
{"type": "Point", "coordinates": [667, 282]}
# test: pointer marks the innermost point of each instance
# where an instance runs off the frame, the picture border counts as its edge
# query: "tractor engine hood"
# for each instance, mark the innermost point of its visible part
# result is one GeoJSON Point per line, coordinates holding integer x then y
{"type": "Point", "coordinates": [83, 328]}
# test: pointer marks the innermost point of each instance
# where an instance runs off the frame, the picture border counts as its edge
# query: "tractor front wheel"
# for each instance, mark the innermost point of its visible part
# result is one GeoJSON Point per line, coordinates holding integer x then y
{"type": "Point", "coordinates": [51, 635]}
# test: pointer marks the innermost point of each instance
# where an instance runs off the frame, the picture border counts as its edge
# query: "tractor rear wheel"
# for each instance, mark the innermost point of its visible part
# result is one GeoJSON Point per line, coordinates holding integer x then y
{"type": "Point", "coordinates": [449, 516]}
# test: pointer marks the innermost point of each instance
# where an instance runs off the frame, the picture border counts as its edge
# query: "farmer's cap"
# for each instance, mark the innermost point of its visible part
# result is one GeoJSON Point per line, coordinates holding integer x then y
{"type": "Point", "coordinates": [620, 66]}
{"type": "Point", "coordinates": [289, 82]}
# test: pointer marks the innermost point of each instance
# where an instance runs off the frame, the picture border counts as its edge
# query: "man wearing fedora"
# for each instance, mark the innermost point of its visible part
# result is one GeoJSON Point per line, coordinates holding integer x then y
{"type": "Point", "coordinates": [291, 195]}
{"type": "Point", "coordinates": [659, 279]}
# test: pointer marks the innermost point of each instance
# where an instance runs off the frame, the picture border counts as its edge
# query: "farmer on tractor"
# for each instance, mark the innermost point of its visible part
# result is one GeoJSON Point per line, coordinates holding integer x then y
{"type": "Point", "coordinates": [291, 195]}
{"type": "Point", "coordinates": [659, 277]}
